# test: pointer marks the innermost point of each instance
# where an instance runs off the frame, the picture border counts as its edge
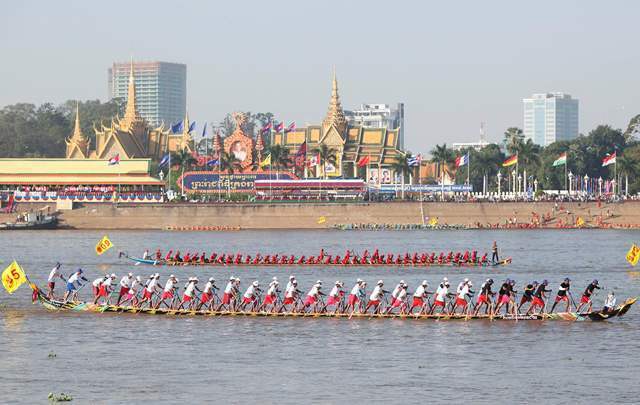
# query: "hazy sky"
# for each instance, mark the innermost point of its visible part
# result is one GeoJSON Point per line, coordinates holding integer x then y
{"type": "Point", "coordinates": [453, 63]}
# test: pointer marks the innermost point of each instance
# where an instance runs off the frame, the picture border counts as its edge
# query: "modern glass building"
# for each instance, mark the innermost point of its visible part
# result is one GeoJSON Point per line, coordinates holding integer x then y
{"type": "Point", "coordinates": [550, 117]}
{"type": "Point", "coordinates": [161, 89]}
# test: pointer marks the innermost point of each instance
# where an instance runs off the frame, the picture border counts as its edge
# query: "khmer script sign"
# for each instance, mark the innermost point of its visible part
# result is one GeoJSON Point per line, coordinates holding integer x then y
{"type": "Point", "coordinates": [213, 182]}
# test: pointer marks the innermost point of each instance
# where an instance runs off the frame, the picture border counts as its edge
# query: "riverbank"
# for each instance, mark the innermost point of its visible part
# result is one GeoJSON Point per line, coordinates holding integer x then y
{"type": "Point", "coordinates": [323, 216]}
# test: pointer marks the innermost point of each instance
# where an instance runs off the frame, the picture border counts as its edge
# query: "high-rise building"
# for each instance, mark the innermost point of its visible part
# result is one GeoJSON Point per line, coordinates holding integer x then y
{"type": "Point", "coordinates": [550, 117]}
{"type": "Point", "coordinates": [379, 116]}
{"type": "Point", "coordinates": [160, 88]}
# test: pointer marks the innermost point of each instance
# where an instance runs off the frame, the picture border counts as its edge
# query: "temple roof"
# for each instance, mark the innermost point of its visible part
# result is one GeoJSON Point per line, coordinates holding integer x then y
{"type": "Point", "coordinates": [131, 112]}
{"type": "Point", "coordinates": [335, 115]}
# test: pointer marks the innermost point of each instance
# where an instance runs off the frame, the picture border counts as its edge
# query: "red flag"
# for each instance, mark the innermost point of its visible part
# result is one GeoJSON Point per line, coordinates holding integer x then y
{"type": "Point", "coordinates": [609, 159]}
{"type": "Point", "coordinates": [364, 161]}
{"type": "Point", "coordinates": [301, 155]}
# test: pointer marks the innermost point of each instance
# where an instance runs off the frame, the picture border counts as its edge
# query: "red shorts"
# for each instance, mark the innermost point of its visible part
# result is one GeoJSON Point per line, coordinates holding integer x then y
{"type": "Point", "coordinates": [417, 302]}
{"type": "Point", "coordinates": [561, 298]}
{"type": "Point", "coordinates": [103, 291]}
{"type": "Point", "coordinates": [248, 300]}
{"type": "Point", "coordinates": [504, 299]}
{"type": "Point", "coordinates": [127, 296]}
{"type": "Point", "coordinates": [310, 300]}
{"type": "Point", "coordinates": [205, 297]}
{"type": "Point", "coordinates": [167, 295]}
{"type": "Point", "coordinates": [537, 302]}
{"type": "Point", "coordinates": [396, 303]}
{"type": "Point", "coordinates": [461, 301]}
{"type": "Point", "coordinates": [438, 303]}
{"type": "Point", "coordinates": [585, 300]}
{"type": "Point", "coordinates": [147, 294]}
{"type": "Point", "coordinates": [373, 303]}
{"type": "Point", "coordinates": [186, 298]}
{"type": "Point", "coordinates": [51, 285]}
{"type": "Point", "coordinates": [288, 300]}
{"type": "Point", "coordinates": [483, 299]}
{"type": "Point", "coordinates": [226, 298]}
{"type": "Point", "coordinates": [269, 299]}
{"type": "Point", "coordinates": [353, 300]}
{"type": "Point", "coordinates": [123, 291]}
{"type": "Point", "coordinates": [333, 300]}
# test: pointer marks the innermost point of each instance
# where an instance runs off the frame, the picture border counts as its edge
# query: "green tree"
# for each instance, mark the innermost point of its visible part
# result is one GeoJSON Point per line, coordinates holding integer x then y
{"type": "Point", "coordinates": [513, 138]}
{"type": "Point", "coordinates": [326, 155]}
{"type": "Point", "coordinates": [633, 128]}
{"type": "Point", "coordinates": [229, 163]}
{"type": "Point", "coordinates": [184, 160]}
{"type": "Point", "coordinates": [627, 167]}
{"type": "Point", "coordinates": [443, 157]}
{"type": "Point", "coordinates": [280, 157]}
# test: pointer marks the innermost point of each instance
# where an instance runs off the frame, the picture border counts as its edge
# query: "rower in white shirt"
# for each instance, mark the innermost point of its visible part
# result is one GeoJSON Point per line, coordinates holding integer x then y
{"type": "Point", "coordinates": [208, 294]}
{"type": "Point", "coordinates": [420, 297]}
{"type": "Point", "coordinates": [250, 295]}
{"type": "Point", "coordinates": [105, 289]}
{"type": "Point", "coordinates": [51, 281]}
{"type": "Point", "coordinates": [461, 297]}
{"type": "Point", "coordinates": [313, 296]}
{"type": "Point", "coordinates": [168, 293]}
{"type": "Point", "coordinates": [375, 299]}
{"type": "Point", "coordinates": [271, 297]}
{"type": "Point", "coordinates": [189, 293]}
{"type": "Point", "coordinates": [335, 296]}
{"type": "Point", "coordinates": [354, 296]}
{"type": "Point", "coordinates": [400, 301]}
{"type": "Point", "coordinates": [441, 296]}
{"type": "Point", "coordinates": [125, 286]}
{"type": "Point", "coordinates": [152, 287]}
{"type": "Point", "coordinates": [290, 296]}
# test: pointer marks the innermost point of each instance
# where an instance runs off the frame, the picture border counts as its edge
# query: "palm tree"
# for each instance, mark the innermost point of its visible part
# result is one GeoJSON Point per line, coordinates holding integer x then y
{"type": "Point", "coordinates": [326, 155]}
{"type": "Point", "coordinates": [444, 157]}
{"type": "Point", "coordinates": [513, 137]}
{"type": "Point", "coordinates": [184, 159]}
{"type": "Point", "coordinates": [228, 162]}
{"type": "Point", "coordinates": [279, 157]}
{"type": "Point", "coordinates": [627, 166]}
{"type": "Point", "coordinates": [401, 167]}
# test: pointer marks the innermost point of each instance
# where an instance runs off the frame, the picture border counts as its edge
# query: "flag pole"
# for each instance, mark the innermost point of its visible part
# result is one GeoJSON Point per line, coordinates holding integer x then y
{"type": "Point", "coordinates": [468, 167]}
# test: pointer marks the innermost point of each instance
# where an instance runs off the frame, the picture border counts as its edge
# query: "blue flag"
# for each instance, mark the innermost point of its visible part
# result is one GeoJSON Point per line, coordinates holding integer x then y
{"type": "Point", "coordinates": [204, 130]}
{"type": "Point", "coordinates": [212, 162]}
{"type": "Point", "coordinates": [192, 126]}
{"type": "Point", "coordinates": [165, 160]}
{"type": "Point", "coordinates": [177, 127]}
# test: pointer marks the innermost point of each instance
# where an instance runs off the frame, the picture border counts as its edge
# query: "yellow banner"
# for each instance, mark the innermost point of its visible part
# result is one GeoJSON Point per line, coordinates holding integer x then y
{"type": "Point", "coordinates": [632, 256]}
{"type": "Point", "coordinates": [13, 277]}
{"type": "Point", "coordinates": [433, 221]}
{"type": "Point", "coordinates": [104, 245]}
{"type": "Point", "coordinates": [266, 161]}
{"type": "Point", "coordinates": [322, 220]}
{"type": "Point", "coordinates": [579, 222]}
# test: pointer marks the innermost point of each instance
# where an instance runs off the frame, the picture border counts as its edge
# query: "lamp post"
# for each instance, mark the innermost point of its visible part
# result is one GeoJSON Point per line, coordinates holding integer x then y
{"type": "Point", "coordinates": [513, 176]}
{"type": "Point", "coordinates": [570, 182]}
{"type": "Point", "coordinates": [535, 186]}
{"type": "Point", "coordinates": [613, 186]}
{"type": "Point", "coordinates": [600, 185]}
{"type": "Point", "coordinates": [499, 182]}
{"type": "Point", "coordinates": [519, 184]}
{"type": "Point", "coordinates": [586, 184]}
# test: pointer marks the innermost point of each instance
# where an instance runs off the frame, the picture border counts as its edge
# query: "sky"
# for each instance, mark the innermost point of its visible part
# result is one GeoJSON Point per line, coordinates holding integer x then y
{"type": "Point", "coordinates": [454, 64]}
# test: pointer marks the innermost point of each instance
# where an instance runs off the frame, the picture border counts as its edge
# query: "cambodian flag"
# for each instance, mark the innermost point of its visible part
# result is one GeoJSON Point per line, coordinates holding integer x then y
{"type": "Point", "coordinates": [279, 127]}
{"type": "Point", "coordinates": [462, 160]}
{"type": "Point", "coordinates": [267, 127]}
{"type": "Point", "coordinates": [291, 127]}
{"type": "Point", "coordinates": [114, 160]}
{"type": "Point", "coordinates": [165, 160]}
{"type": "Point", "coordinates": [212, 162]}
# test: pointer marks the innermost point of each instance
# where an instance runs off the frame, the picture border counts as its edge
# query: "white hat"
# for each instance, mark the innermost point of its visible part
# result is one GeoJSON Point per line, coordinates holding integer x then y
{"type": "Point", "coordinates": [292, 277]}
{"type": "Point", "coordinates": [445, 279]}
{"type": "Point", "coordinates": [401, 281]}
{"type": "Point", "coordinates": [318, 286]}
{"type": "Point", "coordinates": [274, 278]}
{"type": "Point", "coordinates": [294, 282]}
{"type": "Point", "coordinates": [139, 279]}
{"type": "Point", "coordinates": [466, 280]}
{"type": "Point", "coordinates": [255, 283]}
{"type": "Point", "coordinates": [130, 274]}
{"type": "Point", "coordinates": [232, 278]}
{"type": "Point", "coordinates": [338, 282]}
{"type": "Point", "coordinates": [359, 280]}
{"type": "Point", "coordinates": [172, 276]}
{"type": "Point", "coordinates": [113, 275]}
{"type": "Point", "coordinates": [469, 284]}
{"type": "Point", "coordinates": [424, 283]}
{"type": "Point", "coordinates": [212, 279]}
{"type": "Point", "coordinates": [319, 282]}
{"type": "Point", "coordinates": [195, 279]}
{"type": "Point", "coordinates": [380, 282]}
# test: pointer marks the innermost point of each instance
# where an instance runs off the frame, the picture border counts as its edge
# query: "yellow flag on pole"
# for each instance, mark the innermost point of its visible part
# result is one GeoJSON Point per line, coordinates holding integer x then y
{"type": "Point", "coordinates": [579, 222]}
{"type": "Point", "coordinates": [433, 221]}
{"type": "Point", "coordinates": [322, 220]}
{"type": "Point", "coordinates": [266, 161]}
{"type": "Point", "coordinates": [13, 277]}
{"type": "Point", "coordinates": [104, 245]}
{"type": "Point", "coordinates": [633, 255]}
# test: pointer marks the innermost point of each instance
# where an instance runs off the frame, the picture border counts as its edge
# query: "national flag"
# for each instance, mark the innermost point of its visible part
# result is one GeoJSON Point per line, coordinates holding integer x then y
{"type": "Point", "coordinates": [279, 127]}
{"type": "Point", "coordinates": [213, 162]}
{"type": "Point", "coordinates": [103, 245]}
{"type": "Point", "coordinates": [632, 256]}
{"type": "Point", "coordinates": [313, 161]}
{"type": "Point", "coordinates": [165, 160]}
{"type": "Point", "coordinates": [462, 160]}
{"type": "Point", "coordinates": [204, 130]}
{"type": "Point", "coordinates": [301, 154]}
{"type": "Point", "coordinates": [511, 160]}
{"type": "Point", "coordinates": [192, 126]}
{"type": "Point", "coordinates": [561, 160]}
{"type": "Point", "coordinates": [114, 160]}
{"type": "Point", "coordinates": [414, 161]}
{"type": "Point", "coordinates": [364, 161]}
{"type": "Point", "coordinates": [266, 161]}
{"type": "Point", "coordinates": [13, 277]}
{"type": "Point", "coordinates": [322, 220]}
{"type": "Point", "coordinates": [291, 127]}
{"type": "Point", "coordinates": [609, 160]}
{"type": "Point", "coordinates": [267, 127]}
{"type": "Point", "coordinates": [177, 127]}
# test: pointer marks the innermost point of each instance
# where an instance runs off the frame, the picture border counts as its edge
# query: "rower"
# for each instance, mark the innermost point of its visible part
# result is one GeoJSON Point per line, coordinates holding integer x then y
{"type": "Point", "coordinates": [125, 285]}
{"type": "Point", "coordinates": [375, 299]}
{"type": "Point", "coordinates": [151, 288]}
{"type": "Point", "coordinates": [189, 293]}
{"type": "Point", "coordinates": [158, 255]}
{"type": "Point", "coordinates": [494, 255]}
{"type": "Point", "coordinates": [105, 289]}
{"type": "Point", "coordinates": [145, 255]}
{"type": "Point", "coordinates": [539, 297]}
{"type": "Point", "coordinates": [228, 294]}
{"type": "Point", "coordinates": [250, 295]}
{"type": "Point", "coordinates": [397, 289]}
{"type": "Point", "coordinates": [335, 297]}
{"type": "Point", "coordinates": [290, 295]}
{"type": "Point", "coordinates": [72, 288]}
{"type": "Point", "coordinates": [419, 297]}
{"type": "Point", "coordinates": [400, 301]}
{"type": "Point", "coordinates": [169, 255]}
{"type": "Point", "coordinates": [271, 297]}
{"type": "Point", "coordinates": [586, 295]}
{"type": "Point", "coordinates": [95, 285]}
{"type": "Point", "coordinates": [461, 297]}
{"type": "Point", "coordinates": [441, 295]}
{"type": "Point", "coordinates": [208, 293]}
{"type": "Point", "coordinates": [484, 298]}
{"type": "Point", "coordinates": [527, 294]}
{"type": "Point", "coordinates": [563, 295]}
{"type": "Point", "coordinates": [504, 296]}
{"type": "Point", "coordinates": [292, 278]}
{"type": "Point", "coordinates": [168, 293]}
{"type": "Point", "coordinates": [313, 297]}
{"type": "Point", "coordinates": [354, 295]}
{"type": "Point", "coordinates": [609, 303]}
{"type": "Point", "coordinates": [51, 281]}
{"type": "Point", "coordinates": [132, 294]}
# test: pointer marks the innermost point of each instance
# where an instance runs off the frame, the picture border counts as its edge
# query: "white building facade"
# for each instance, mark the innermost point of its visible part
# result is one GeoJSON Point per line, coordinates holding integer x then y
{"type": "Point", "coordinates": [379, 116]}
{"type": "Point", "coordinates": [550, 117]}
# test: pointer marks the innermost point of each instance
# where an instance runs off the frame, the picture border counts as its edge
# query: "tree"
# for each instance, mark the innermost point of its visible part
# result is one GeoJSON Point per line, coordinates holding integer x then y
{"type": "Point", "coordinates": [183, 159]}
{"type": "Point", "coordinates": [627, 167]}
{"type": "Point", "coordinates": [513, 137]}
{"type": "Point", "coordinates": [326, 155]}
{"type": "Point", "coordinates": [279, 157]}
{"type": "Point", "coordinates": [443, 157]}
{"type": "Point", "coordinates": [228, 162]}
{"type": "Point", "coordinates": [402, 167]}
{"type": "Point", "coordinates": [633, 128]}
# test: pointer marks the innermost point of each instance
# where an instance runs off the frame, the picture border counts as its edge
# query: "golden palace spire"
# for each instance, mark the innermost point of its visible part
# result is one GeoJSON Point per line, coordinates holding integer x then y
{"type": "Point", "coordinates": [77, 135]}
{"type": "Point", "coordinates": [77, 143]}
{"type": "Point", "coordinates": [335, 115]}
{"type": "Point", "coordinates": [130, 112]}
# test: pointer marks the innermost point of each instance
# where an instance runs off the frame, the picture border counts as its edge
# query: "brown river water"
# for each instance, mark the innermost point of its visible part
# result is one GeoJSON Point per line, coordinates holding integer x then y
{"type": "Point", "coordinates": [126, 358]}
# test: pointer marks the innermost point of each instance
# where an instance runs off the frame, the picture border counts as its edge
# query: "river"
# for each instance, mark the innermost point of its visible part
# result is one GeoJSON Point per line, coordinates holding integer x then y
{"type": "Point", "coordinates": [124, 358]}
